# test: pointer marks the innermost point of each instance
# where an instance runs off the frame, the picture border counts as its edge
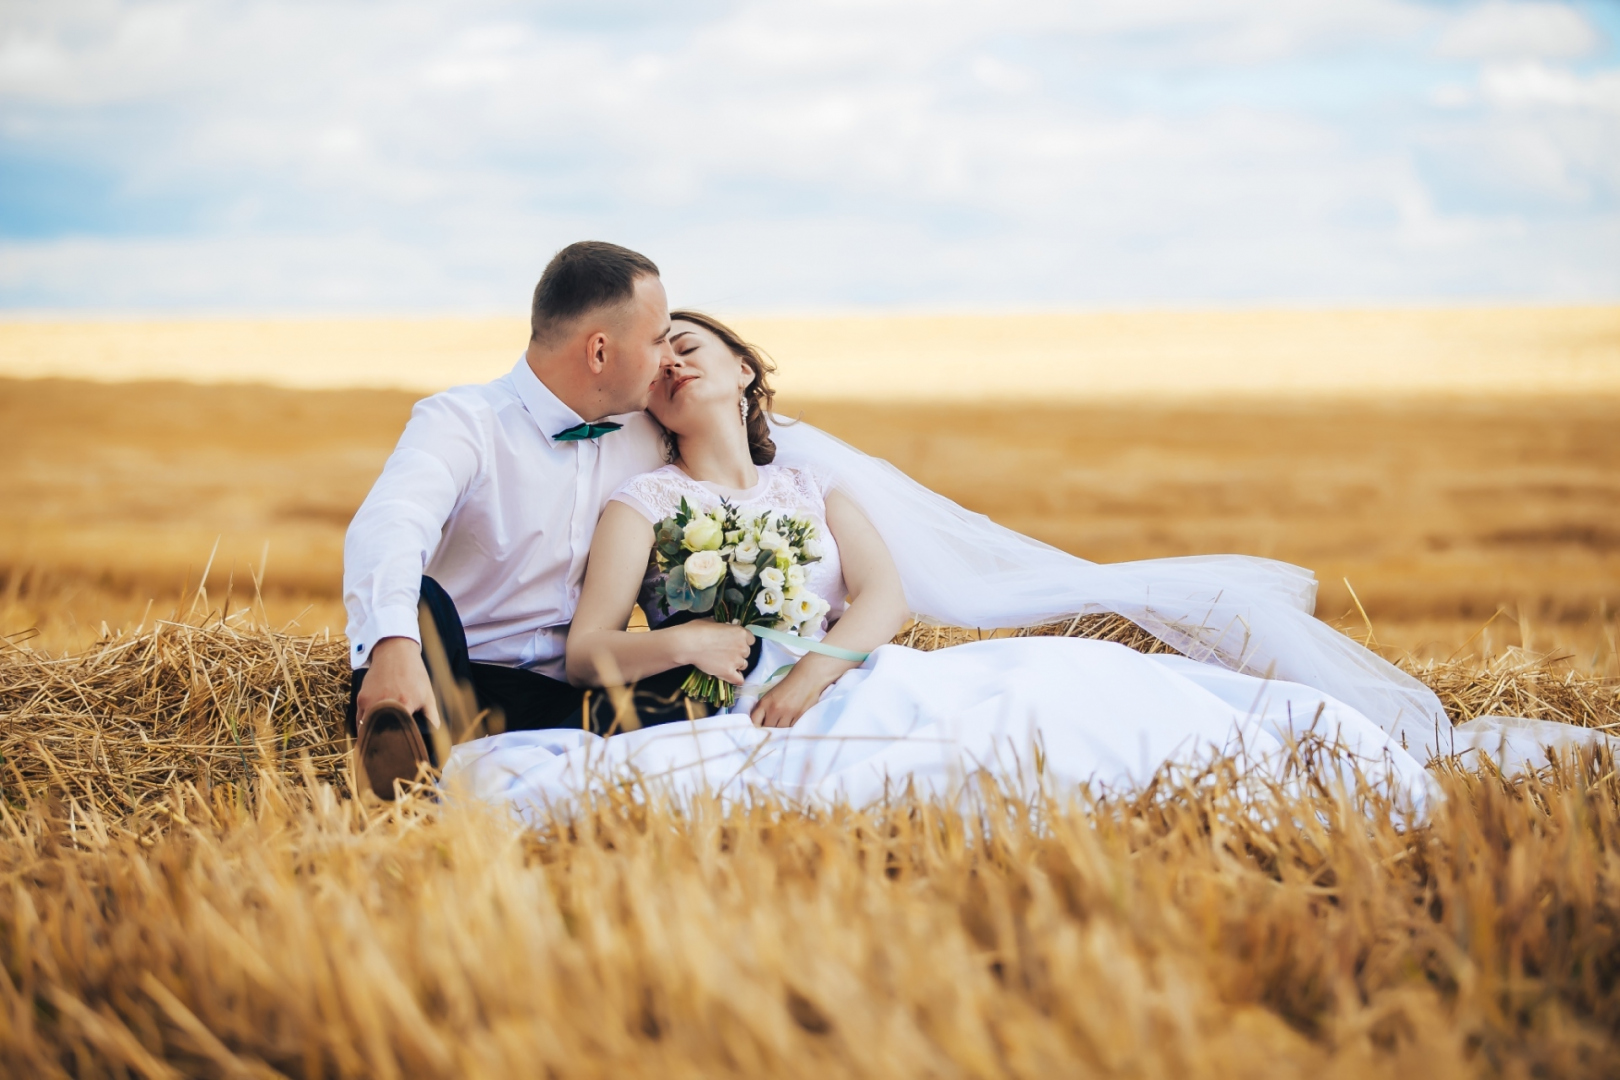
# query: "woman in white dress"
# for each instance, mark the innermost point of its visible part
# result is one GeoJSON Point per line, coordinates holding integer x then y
{"type": "Point", "coordinates": [1029, 711]}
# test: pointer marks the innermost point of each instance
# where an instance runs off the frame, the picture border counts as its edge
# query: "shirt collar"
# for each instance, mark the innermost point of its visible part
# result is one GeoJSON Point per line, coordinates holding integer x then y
{"type": "Point", "coordinates": [549, 413]}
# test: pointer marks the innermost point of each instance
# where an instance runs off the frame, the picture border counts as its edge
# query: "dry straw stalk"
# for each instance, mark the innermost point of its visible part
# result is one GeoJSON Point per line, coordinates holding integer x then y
{"type": "Point", "coordinates": [189, 892]}
{"type": "Point", "coordinates": [1200, 928]}
{"type": "Point", "coordinates": [117, 726]}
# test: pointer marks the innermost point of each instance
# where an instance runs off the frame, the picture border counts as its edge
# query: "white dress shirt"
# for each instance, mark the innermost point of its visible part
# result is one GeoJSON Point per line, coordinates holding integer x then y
{"type": "Point", "coordinates": [480, 497]}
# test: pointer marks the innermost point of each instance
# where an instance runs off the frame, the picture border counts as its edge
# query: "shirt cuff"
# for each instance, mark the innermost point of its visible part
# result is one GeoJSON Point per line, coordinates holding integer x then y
{"type": "Point", "coordinates": [384, 623]}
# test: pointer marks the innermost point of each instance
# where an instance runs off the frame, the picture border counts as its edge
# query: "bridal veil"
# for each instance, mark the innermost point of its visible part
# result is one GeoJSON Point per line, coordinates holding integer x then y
{"type": "Point", "coordinates": [1247, 614]}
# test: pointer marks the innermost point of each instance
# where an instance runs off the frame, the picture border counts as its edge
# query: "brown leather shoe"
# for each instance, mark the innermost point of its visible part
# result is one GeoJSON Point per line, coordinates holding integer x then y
{"type": "Point", "coordinates": [390, 748]}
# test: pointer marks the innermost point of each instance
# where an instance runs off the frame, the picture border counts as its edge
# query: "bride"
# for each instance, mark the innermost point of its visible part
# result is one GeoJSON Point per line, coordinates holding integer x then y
{"type": "Point", "coordinates": [855, 717]}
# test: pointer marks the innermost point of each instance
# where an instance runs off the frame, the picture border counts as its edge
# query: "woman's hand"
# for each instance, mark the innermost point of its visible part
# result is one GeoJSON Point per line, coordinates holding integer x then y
{"type": "Point", "coordinates": [718, 649]}
{"type": "Point", "coordinates": [783, 704]}
{"type": "Point", "coordinates": [875, 613]}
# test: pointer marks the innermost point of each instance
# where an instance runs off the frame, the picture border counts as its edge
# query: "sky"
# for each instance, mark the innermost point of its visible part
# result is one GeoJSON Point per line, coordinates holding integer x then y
{"type": "Point", "coordinates": [415, 156]}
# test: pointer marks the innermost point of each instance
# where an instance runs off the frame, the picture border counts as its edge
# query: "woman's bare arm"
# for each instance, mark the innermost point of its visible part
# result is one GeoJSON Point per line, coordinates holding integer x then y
{"type": "Point", "coordinates": [602, 650]}
{"type": "Point", "coordinates": [876, 612]}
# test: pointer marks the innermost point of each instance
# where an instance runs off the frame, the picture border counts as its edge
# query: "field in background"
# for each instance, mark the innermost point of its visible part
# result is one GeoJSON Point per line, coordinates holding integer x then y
{"type": "Point", "coordinates": [1440, 511]}
{"type": "Point", "coordinates": [1078, 357]}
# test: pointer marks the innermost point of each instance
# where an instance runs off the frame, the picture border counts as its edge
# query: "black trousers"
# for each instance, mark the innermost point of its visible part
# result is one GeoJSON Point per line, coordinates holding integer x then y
{"type": "Point", "coordinates": [527, 699]}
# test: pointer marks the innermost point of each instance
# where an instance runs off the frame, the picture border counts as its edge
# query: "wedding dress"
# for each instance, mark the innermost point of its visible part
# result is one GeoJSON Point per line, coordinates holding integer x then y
{"type": "Point", "coordinates": [1031, 712]}
{"type": "Point", "coordinates": [1239, 612]}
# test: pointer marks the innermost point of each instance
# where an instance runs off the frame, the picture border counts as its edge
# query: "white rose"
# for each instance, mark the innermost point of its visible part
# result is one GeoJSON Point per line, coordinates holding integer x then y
{"type": "Point", "coordinates": [704, 569]}
{"type": "Point", "coordinates": [795, 575]}
{"type": "Point", "coordinates": [703, 534]}
{"type": "Point", "coordinates": [743, 572]}
{"type": "Point", "coordinates": [772, 578]}
{"type": "Point", "coordinates": [813, 548]}
{"type": "Point", "coordinates": [769, 601]}
{"type": "Point", "coordinates": [771, 540]}
{"type": "Point", "coordinates": [747, 550]}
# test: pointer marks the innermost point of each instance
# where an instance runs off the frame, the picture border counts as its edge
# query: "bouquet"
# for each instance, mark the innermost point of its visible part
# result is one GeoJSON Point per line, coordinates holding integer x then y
{"type": "Point", "coordinates": [747, 570]}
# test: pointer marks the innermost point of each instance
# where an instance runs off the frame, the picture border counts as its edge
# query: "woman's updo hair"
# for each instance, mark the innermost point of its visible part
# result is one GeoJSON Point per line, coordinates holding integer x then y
{"type": "Point", "coordinates": [759, 394]}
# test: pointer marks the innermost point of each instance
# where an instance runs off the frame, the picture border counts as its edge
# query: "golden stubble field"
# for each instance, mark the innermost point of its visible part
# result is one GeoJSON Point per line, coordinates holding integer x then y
{"type": "Point", "coordinates": [186, 888]}
{"type": "Point", "coordinates": [1440, 511]}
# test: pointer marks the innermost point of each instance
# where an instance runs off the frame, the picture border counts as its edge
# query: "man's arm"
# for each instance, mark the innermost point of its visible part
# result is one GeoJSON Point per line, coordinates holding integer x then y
{"type": "Point", "coordinates": [389, 542]}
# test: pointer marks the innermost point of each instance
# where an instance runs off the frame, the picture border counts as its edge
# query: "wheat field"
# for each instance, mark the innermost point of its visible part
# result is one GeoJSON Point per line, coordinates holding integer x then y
{"type": "Point", "coordinates": [187, 887]}
{"type": "Point", "coordinates": [1190, 931]}
{"type": "Point", "coordinates": [189, 890]}
{"type": "Point", "coordinates": [1446, 515]}
{"type": "Point", "coordinates": [1072, 357]}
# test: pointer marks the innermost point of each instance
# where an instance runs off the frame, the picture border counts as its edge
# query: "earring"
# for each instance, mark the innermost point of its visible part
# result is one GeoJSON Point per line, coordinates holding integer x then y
{"type": "Point", "coordinates": [742, 405]}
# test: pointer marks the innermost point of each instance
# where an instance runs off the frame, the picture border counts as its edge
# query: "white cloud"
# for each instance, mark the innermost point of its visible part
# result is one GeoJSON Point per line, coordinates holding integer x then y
{"type": "Point", "coordinates": [812, 154]}
{"type": "Point", "coordinates": [1530, 84]}
{"type": "Point", "coordinates": [1517, 30]}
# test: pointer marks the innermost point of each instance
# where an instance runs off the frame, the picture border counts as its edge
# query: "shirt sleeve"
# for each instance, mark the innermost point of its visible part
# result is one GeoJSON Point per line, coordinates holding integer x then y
{"type": "Point", "coordinates": [399, 526]}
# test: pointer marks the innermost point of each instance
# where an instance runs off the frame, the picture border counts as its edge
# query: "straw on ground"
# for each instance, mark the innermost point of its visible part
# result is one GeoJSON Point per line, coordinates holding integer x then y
{"type": "Point", "coordinates": [189, 891]}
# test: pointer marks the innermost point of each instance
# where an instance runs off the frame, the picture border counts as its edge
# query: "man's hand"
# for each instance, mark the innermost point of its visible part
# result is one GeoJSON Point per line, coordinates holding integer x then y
{"type": "Point", "coordinates": [397, 674]}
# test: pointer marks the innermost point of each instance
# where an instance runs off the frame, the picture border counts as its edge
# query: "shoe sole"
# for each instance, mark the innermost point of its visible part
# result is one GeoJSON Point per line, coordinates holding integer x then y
{"type": "Point", "coordinates": [390, 750]}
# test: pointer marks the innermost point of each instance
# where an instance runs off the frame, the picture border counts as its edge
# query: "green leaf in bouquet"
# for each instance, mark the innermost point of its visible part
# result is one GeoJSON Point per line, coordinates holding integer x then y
{"type": "Point", "coordinates": [669, 536]}
{"type": "Point", "coordinates": [677, 593]}
{"type": "Point", "coordinates": [704, 601]}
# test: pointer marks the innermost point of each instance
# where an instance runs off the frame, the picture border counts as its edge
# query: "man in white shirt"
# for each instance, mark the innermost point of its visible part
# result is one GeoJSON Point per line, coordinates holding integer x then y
{"type": "Point", "coordinates": [484, 513]}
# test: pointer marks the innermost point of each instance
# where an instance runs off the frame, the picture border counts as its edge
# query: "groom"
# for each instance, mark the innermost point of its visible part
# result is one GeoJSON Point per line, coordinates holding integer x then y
{"type": "Point", "coordinates": [482, 518]}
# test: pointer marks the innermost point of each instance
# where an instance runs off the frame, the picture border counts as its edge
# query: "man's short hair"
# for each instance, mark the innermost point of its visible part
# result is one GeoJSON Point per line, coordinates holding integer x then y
{"type": "Point", "coordinates": [581, 278]}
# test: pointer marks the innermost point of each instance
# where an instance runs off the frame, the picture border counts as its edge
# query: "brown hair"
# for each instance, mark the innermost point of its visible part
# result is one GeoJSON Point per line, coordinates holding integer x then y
{"type": "Point", "coordinates": [581, 278]}
{"type": "Point", "coordinates": [759, 394]}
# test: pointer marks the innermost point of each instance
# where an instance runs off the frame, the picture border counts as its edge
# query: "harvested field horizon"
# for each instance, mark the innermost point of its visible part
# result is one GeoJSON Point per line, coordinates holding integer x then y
{"type": "Point", "coordinates": [1155, 355]}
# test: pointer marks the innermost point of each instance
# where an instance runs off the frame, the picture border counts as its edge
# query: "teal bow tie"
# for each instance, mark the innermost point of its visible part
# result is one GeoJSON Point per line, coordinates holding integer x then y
{"type": "Point", "coordinates": [585, 431]}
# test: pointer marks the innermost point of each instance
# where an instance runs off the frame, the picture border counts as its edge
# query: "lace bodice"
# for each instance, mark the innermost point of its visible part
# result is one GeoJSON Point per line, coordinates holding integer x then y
{"type": "Point", "coordinates": [781, 488]}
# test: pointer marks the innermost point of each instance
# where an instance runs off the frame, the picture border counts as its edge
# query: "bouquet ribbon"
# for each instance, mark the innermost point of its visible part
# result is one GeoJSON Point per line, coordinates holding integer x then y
{"type": "Point", "coordinates": [794, 641]}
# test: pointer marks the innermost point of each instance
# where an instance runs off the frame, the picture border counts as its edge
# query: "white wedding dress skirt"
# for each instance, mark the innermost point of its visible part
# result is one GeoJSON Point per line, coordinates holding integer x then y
{"type": "Point", "coordinates": [1031, 713]}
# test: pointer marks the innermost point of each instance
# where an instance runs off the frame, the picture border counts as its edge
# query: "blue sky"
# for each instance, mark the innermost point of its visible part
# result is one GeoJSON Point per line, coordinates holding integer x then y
{"type": "Point", "coordinates": [412, 156]}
